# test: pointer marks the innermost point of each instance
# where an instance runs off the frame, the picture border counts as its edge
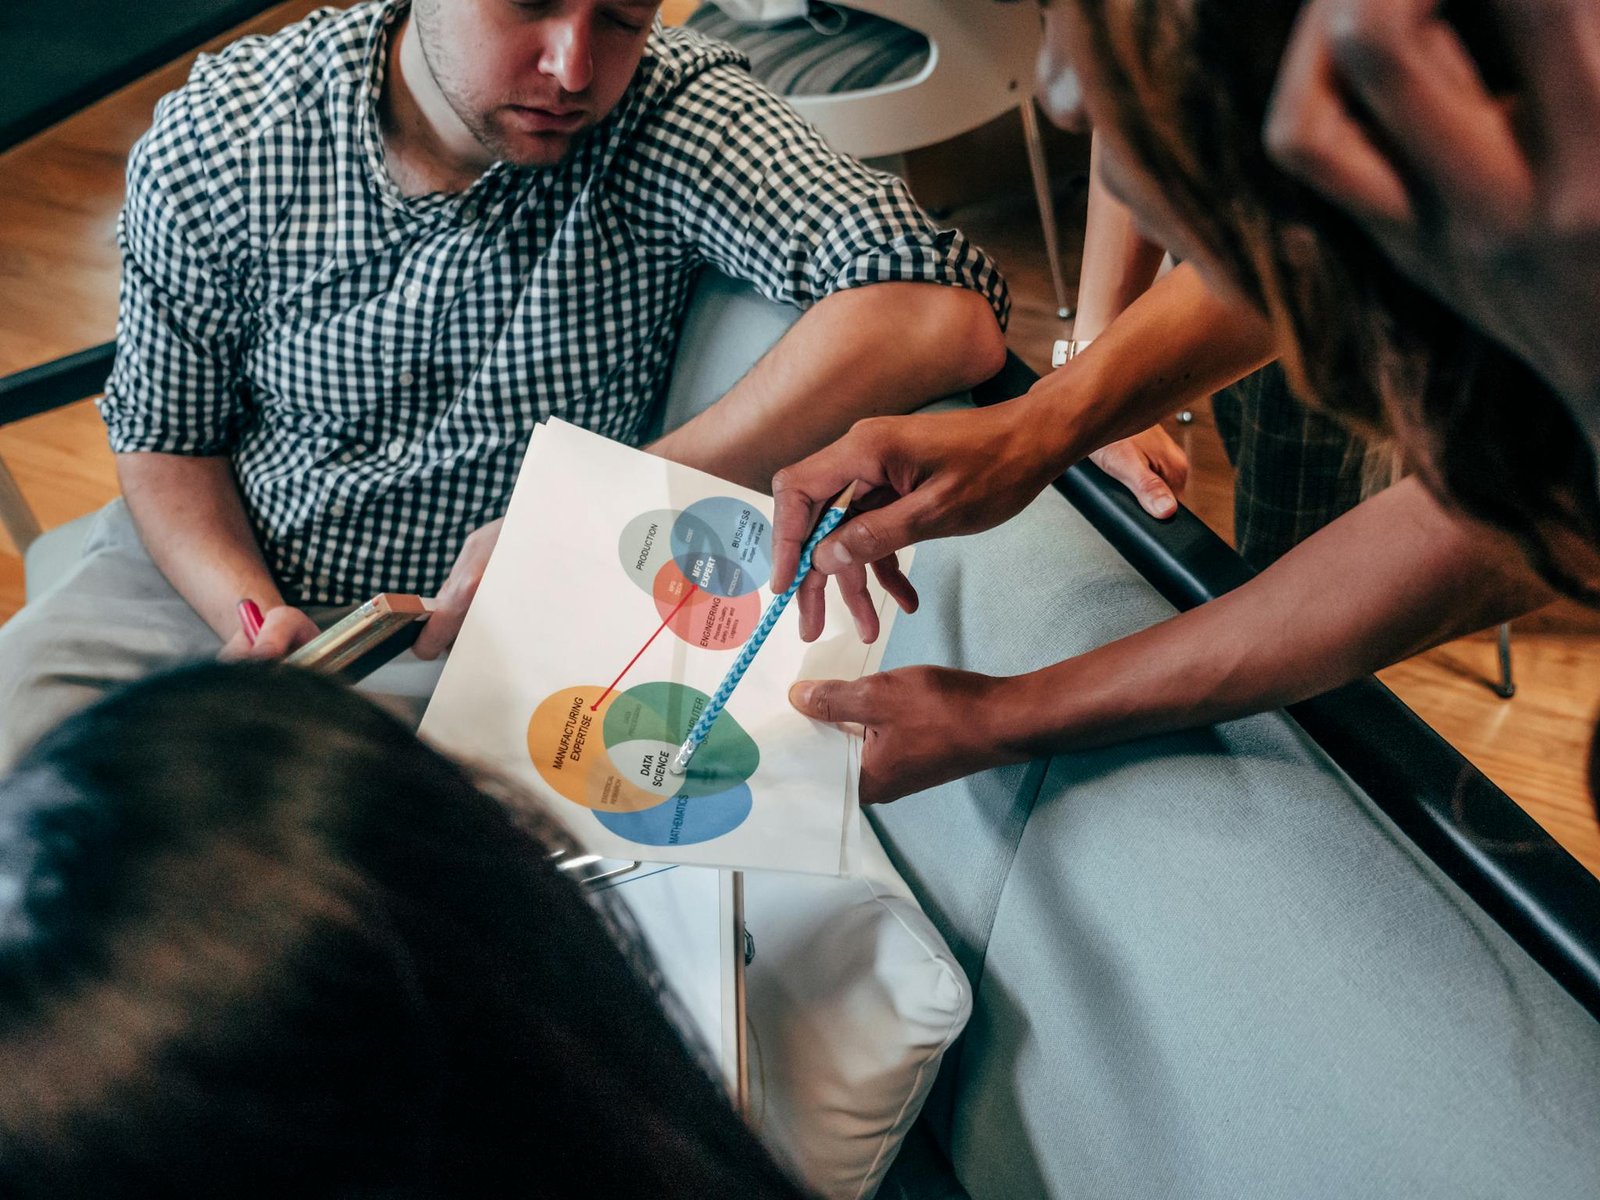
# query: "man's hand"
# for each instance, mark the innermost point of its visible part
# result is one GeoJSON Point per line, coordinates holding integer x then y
{"type": "Point", "coordinates": [1395, 575]}
{"type": "Point", "coordinates": [932, 475]}
{"type": "Point", "coordinates": [455, 597]}
{"type": "Point", "coordinates": [1468, 151]}
{"type": "Point", "coordinates": [921, 476]}
{"type": "Point", "coordinates": [923, 725]}
{"type": "Point", "coordinates": [1150, 465]}
{"type": "Point", "coordinates": [284, 630]}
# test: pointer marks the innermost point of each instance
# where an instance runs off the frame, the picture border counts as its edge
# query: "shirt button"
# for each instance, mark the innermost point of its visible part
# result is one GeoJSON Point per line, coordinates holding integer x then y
{"type": "Point", "coordinates": [397, 448]}
{"type": "Point", "coordinates": [406, 379]}
{"type": "Point", "coordinates": [412, 292]}
{"type": "Point", "coordinates": [336, 510]}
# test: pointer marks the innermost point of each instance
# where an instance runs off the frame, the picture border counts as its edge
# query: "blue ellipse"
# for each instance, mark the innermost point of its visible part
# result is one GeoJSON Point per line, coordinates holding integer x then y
{"type": "Point", "coordinates": [682, 820]}
{"type": "Point", "coordinates": [723, 545]}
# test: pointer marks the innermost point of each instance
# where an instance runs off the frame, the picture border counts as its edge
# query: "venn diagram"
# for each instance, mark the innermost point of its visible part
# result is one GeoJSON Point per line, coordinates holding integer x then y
{"type": "Point", "coordinates": [702, 567]}
{"type": "Point", "coordinates": [608, 750]}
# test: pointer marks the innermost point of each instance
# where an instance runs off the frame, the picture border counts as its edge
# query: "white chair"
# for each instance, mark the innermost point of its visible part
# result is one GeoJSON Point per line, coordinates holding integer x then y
{"type": "Point", "coordinates": [979, 65]}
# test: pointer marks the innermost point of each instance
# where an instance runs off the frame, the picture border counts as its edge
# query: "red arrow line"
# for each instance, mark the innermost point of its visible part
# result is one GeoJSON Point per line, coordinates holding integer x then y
{"type": "Point", "coordinates": [595, 707]}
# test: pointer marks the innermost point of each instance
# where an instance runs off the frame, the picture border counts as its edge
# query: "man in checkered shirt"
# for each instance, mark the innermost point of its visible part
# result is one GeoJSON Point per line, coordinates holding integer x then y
{"type": "Point", "coordinates": [363, 258]}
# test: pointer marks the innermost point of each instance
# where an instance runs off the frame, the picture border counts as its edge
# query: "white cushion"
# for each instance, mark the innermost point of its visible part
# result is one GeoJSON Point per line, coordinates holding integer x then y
{"type": "Point", "coordinates": [764, 12]}
{"type": "Point", "coordinates": [852, 999]}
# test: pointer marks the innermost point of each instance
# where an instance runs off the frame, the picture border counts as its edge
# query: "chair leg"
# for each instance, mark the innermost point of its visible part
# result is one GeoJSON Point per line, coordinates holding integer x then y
{"type": "Point", "coordinates": [1507, 686]}
{"type": "Point", "coordinates": [1047, 204]}
{"type": "Point", "coordinates": [15, 514]}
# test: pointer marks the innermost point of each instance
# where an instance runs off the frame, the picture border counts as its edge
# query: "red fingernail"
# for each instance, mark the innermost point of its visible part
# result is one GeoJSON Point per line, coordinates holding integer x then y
{"type": "Point", "coordinates": [250, 619]}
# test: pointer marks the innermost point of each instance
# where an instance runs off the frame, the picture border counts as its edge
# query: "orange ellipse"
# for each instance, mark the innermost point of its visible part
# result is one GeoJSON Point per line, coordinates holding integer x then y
{"type": "Point", "coordinates": [566, 748]}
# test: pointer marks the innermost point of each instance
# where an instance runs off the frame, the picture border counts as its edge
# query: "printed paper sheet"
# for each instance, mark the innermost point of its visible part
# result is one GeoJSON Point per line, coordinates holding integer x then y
{"type": "Point", "coordinates": [620, 592]}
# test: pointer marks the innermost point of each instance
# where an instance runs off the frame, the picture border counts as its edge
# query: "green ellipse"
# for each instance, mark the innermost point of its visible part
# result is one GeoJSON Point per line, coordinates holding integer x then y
{"type": "Point", "coordinates": [666, 712]}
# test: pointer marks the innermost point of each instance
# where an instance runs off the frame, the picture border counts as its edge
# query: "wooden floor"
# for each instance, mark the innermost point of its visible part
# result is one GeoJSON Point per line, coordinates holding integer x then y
{"type": "Point", "coordinates": [59, 196]}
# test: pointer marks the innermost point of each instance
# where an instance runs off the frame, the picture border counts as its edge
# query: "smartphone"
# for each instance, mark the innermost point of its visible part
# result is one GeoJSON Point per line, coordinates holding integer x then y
{"type": "Point", "coordinates": [364, 640]}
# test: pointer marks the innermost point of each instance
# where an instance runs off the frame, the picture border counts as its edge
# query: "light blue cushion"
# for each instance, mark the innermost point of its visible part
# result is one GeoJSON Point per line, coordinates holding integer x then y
{"type": "Point", "coordinates": [1204, 964]}
{"type": "Point", "coordinates": [727, 327]}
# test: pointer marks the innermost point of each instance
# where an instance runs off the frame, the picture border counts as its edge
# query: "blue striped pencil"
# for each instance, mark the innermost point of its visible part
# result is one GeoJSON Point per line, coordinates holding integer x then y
{"type": "Point", "coordinates": [830, 522]}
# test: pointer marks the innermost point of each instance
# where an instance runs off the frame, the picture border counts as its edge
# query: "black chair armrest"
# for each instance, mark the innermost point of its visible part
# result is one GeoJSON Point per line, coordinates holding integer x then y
{"type": "Point", "coordinates": [89, 50]}
{"type": "Point", "coordinates": [55, 384]}
{"type": "Point", "coordinates": [1474, 832]}
{"type": "Point", "coordinates": [921, 1171]}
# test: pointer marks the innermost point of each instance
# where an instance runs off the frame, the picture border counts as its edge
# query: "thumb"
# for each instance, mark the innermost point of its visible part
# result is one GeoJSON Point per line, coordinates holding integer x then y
{"type": "Point", "coordinates": [1155, 496]}
{"type": "Point", "coordinates": [1130, 467]}
{"type": "Point", "coordinates": [438, 633]}
{"type": "Point", "coordinates": [831, 700]}
{"type": "Point", "coordinates": [281, 633]}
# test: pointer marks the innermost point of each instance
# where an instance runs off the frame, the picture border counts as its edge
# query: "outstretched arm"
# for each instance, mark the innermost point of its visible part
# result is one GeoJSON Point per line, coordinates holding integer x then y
{"type": "Point", "coordinates": [935, 475]}
{"type": "Point", "coordinates": [1392, 577]}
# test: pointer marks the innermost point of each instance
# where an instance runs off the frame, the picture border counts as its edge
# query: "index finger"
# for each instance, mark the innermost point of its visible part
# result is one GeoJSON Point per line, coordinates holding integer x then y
{"type": "Point", "coordinates": [801, 492]}
{"type": "Point", "coordinates": [1554, 45]}
{"type": "Point", "coordinates": [1407, 66]}
{"type": "Point", "coordinates": [1311, 133]}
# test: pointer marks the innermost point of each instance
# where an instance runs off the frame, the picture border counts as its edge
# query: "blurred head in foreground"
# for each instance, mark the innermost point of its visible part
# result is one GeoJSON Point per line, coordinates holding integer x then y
{"type": "Point", "coordinates": [1178, 91]}
{"type": "Point", "coordinates": [255, 937]}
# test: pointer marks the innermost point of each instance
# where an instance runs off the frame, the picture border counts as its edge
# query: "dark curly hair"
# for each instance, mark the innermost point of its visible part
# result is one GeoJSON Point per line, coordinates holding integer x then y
{"type": "Point", "coordinates": [1189, 82]}
{"type": "Point", "coordinates": [257, 939]}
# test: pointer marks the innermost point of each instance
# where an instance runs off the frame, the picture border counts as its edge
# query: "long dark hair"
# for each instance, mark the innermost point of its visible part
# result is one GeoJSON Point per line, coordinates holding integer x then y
{"type": "Point", "coordinates": [1189, 82]}
{"type": "Point", "coordinates": [256, 937]}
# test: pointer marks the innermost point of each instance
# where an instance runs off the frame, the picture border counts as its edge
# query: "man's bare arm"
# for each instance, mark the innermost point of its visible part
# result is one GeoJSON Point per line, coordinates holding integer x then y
{"type": "Point", "coordinates": [866, 351]}
{"type": "Point", "coordinates": [192, 521]}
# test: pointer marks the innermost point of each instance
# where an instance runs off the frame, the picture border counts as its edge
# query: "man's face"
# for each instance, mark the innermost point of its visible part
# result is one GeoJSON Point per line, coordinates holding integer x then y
{"type": "Point", "coordinates": [526, 77]}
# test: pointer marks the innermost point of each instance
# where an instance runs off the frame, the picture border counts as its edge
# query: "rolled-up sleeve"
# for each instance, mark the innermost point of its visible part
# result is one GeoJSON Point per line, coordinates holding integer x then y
{"type": "Point", "coordinates": [174, 385]}
{"type": "Point", "coordinates": [756, 192]}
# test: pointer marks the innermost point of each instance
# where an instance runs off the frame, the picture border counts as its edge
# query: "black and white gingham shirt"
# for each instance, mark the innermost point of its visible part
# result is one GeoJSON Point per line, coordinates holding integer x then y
{"type": "Point", "coordinates": [374, 364]}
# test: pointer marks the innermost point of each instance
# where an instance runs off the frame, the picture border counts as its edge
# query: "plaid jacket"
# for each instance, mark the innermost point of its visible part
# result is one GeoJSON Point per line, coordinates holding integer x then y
{"type": "Point", "coordinates": [374, 363]}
